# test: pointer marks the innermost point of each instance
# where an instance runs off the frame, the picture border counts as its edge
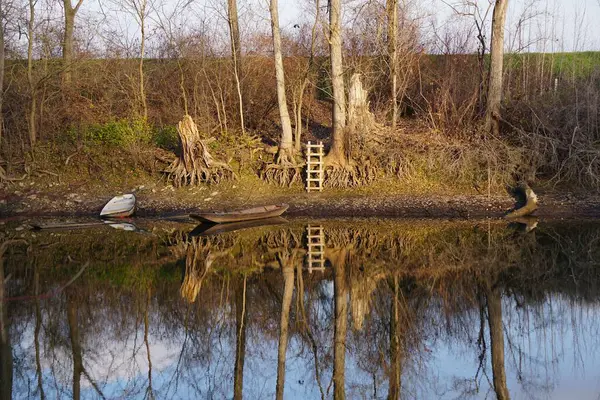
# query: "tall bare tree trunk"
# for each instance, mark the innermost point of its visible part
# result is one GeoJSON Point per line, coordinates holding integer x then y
{"type": "Point", "coordinates": [142, 16]}
{"type": "Point", "coordinates": [305, 80]}
{"type": "Point", "coordinates": [286, 144]}
{"type": "Point", "coordinates": [236, 53]}
{"type": "Point", "coordinates": [240, 345]}
{"type": "Point", "coordinates": [2, 58]}
{"type": "Point", "coordinates": [392, 25]}
{"type": "Point", "coordinates": [287, 269]}
{"type": "Point", "coordinates": [32, 83]}
{"type": "Point", "coordinates": [494, 98]}
{"type": "Point", "coordinates": [67, 50]}
{"type": "Point", "coordinates": [337, 153]}
{"type": "Point", "coordinates": [494, 305]}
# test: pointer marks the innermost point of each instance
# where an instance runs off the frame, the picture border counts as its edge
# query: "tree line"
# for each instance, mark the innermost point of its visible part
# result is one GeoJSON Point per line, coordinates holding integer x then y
{"type": "Point", "coordinates": [460, 91]}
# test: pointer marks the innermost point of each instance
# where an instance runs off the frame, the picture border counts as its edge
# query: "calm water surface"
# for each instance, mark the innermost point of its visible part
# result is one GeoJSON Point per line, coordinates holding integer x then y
{"type": "Point", "coordinates": [302, 310]}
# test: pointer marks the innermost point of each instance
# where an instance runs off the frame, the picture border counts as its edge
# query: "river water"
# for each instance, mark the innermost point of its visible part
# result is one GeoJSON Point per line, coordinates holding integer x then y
{"type": "Point", "coordinates": [417, 309]}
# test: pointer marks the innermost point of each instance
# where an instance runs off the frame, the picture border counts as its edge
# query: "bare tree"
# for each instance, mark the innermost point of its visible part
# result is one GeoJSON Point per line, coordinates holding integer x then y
{"type": "Point", "coordinates": [337, 153]}
{"type": "Point", "coordinates": [286, 148]}
{"type": "Point", "coordinates": [494, 98]}
{"type": "Point", "coordinates": [30, 78]}
{"type": "Point", "coordinates": [236, 52]}
{"type": "Point", "coordinates": [392, 38]}
{"type": "Point", "coordinates": [2, 58]}
{"type": "Point", "coordinates": [67, 50]}
{"type": "Point", "coordinates": [140, 10]}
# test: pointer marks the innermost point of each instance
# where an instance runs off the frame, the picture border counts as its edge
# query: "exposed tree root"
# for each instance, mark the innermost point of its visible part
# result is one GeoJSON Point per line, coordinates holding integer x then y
{"type": "Point", "coordinates": [285, 171]}
{"type": "Point", "coordinates": [195, 165]}
{"type": "Point", "coordinates": [350, 174]}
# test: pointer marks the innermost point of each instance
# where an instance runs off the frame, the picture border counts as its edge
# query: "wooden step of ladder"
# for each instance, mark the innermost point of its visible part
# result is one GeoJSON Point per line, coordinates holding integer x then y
{"type": "Point", "coordinates": [316, 248]}
{"type": "Point", "coordinates": [314, 167]}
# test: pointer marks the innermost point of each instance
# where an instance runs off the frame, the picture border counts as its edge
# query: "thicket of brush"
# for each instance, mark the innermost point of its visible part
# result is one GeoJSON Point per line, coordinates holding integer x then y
{"type": "Point", "coordinates": [551, 119]}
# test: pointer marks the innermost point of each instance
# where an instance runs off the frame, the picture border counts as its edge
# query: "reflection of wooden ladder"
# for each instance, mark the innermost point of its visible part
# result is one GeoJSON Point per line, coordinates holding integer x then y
{"type": "Point", "coordinates": [316, 248]}
{"type": "Point", "coordinates": [314, 167]}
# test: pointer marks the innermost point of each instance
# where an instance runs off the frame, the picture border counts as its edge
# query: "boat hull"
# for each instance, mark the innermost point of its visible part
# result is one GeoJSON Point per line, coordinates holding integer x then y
{"type": "Point", "coordinates": [119, 207]}
{"type": "Point", "coordinates": [242, 215]}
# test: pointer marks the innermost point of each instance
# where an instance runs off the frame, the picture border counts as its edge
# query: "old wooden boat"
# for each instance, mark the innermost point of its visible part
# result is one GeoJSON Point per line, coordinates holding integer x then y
{"type": "Point", "coordinates": [119, 207]}
{"type": "Point", "coordinates": [242, 215]}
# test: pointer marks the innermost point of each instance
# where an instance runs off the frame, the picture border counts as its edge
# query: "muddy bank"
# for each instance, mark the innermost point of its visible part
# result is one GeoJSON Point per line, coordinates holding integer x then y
{"type": "Point", "coordinates": [168, 201]}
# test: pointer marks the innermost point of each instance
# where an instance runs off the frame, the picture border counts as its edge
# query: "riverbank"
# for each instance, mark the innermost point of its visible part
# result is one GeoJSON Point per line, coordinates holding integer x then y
{"type": "Point", "coordinates": [386, 199]}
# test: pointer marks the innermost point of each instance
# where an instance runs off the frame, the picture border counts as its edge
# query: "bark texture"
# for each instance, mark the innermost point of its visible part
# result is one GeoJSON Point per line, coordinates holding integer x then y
{"type": "Point", "coordinates": [494, 98]}
{"type": "Point", "coordinates": [67, 50]}
{"type": "Point", "coordinates": [32, 83]}
{"type": "Point", "coordinates": [2, 58]}
{"type": "Point", "coordinates": [337, 153]}
{"type": "Point", "coordinates": [236, 53]}
{"type": "Point", "coordinates": [392, 42]}
{"type": "Point", "coordinates": [286, 142]}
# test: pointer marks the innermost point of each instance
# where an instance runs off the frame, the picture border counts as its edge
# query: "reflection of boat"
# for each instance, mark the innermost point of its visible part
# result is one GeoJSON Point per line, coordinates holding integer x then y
{"type": "Point", "coordinates": [119, 206]}
{"type": "Point", "coordinates": [215, 229]}
{"type": "Point", "coordinates": [67, 225]}
{"type": "Point", "coordinates": [242, 215]}
{"type": "Point", "coordinates": [123, 226]}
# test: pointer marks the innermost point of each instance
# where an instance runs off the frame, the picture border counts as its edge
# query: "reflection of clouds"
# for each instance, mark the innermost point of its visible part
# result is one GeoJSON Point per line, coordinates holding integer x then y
{"type": "Point", "coordinates": [550, 353]}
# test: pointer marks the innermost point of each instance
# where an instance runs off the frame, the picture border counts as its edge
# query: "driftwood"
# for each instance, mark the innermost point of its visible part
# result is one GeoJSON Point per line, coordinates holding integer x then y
{"type": "Point", "coordinates": [526, 201]}
{"type": "Point", "coordinates": [195, 165]}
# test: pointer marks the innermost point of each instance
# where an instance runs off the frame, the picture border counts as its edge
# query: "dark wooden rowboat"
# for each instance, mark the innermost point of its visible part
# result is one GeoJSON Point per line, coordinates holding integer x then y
{"type": "Point", "coordinates": [242, 215]}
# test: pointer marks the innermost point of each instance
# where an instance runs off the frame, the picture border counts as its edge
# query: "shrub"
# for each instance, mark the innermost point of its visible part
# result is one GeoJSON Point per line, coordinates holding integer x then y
{"type": "Point", "coordinates": [113, 133]}
{"type": "Point", "coordinates": [166, 137]}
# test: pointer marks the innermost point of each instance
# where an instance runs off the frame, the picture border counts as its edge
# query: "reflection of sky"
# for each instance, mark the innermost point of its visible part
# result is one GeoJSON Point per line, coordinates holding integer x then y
{"type": "Point", "coordinates": [551, 352]}
{"type": "Point", "coordinates": [554, 360]}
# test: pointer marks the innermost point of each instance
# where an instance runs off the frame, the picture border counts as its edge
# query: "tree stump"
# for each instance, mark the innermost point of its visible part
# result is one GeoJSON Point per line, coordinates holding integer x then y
{"type": "Point", "coordinates": [195, 165]}
{"type": "Point", "coordinates": [527, 201]}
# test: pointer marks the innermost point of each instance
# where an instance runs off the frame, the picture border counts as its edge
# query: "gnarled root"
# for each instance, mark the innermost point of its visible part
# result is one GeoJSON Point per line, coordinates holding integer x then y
{"type": "Point", "coordinates": [350, 174]}
{"type": "Point", "coordinates": [284, 172]}
{"type": "Point", "coordinates": [196, 165]}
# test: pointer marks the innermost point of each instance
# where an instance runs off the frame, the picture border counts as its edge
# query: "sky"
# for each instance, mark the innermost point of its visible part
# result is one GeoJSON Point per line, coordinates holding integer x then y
{"type": "Point", "coordinates": [575, 24]}
{"type": "Point", "coordinates": [546, 25]}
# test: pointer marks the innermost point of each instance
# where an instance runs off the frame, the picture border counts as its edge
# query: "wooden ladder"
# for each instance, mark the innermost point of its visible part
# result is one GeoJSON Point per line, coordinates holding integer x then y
{"type": "Point", "coordinates": [316, 248]}
{"type": "Point", "coordinates": [314, 167]}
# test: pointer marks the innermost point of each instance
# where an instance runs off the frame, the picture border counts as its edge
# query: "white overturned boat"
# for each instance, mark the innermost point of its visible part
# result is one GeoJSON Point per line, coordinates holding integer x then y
{"type": "Point", "coordinates": [119, 207]}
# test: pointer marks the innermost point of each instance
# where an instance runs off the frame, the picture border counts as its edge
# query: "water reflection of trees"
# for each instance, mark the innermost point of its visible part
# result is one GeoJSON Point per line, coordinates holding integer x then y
{"type": "Point", "coordinates": [224, 300]}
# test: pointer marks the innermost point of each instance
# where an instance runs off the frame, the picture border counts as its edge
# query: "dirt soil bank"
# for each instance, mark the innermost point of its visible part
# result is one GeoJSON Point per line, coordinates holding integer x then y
{"type": "Point", "coordinates": [27, 199]}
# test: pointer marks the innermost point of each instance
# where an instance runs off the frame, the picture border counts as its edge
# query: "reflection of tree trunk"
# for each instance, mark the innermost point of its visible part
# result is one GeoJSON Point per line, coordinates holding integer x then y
{"type": "Point", "coordinates": [149, 391]}
{"type": "Point", "coordinates": [240, 345]}
{"type": "Point", "coordinates": [36, 333]}
{"type": "Point", "coordinates": [75, 345]}
{"type": "Point", "coordinates": [338, 260]}
{"type": "Point", "coordinates": [494, 305]}
{"type": "Point", "coordinates": [6, 377]}
{"type": "Point", "coordinates": [287, 269]}
{"type": "Point", "coordinates": [396, 352]}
